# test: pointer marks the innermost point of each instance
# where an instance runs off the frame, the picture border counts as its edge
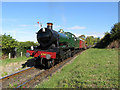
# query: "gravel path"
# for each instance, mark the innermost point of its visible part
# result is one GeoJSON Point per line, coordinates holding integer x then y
{"type": "Point", "coordinates": [11, 68]}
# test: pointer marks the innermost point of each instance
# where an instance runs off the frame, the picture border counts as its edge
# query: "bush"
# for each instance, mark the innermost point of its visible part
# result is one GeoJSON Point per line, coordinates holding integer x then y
{"type": "Point", "coordinates": [10, 45]}
{"type": "Point", "coordinates": [23, 46]}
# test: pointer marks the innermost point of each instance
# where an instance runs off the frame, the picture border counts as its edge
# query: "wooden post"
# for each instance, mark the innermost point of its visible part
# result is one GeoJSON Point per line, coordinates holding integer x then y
{"type": "Point", "coordinates": [15, 51]}
{"type": "Point", "coordinates": [21, 54]}
{"type": "Point", "coordinates": [9, 55]}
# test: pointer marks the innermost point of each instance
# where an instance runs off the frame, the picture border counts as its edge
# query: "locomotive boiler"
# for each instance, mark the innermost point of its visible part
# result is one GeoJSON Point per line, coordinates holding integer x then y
{"type": "Point", "coordinates": [49, 38]}
{"type": "Point", "coordinates": [54, 46]}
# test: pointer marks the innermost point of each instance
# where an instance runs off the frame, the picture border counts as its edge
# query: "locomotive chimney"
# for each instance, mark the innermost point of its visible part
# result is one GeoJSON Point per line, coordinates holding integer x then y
{"type": "Point", "coordinates": [49, 25]}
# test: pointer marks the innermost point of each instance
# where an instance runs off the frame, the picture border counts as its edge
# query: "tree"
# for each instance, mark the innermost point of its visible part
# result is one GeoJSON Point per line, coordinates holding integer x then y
{"type": "Point", "coordinates": [115, 32]}
{"type": "Point", "coordinates": [96, 40]}
{"type": "Point", "coordinates": [105, 41]}
{"type": "Point", "coordinates": [23, 46]}
{"type": "Point", "coordinates": [90, 40]}
{"type": "Point", "coordinates": [82, 37]}
{"type": "Point", "coordinates": [8, 42]}
{"type": "Point", "coordinates": [0, 41]}
{"type": "Point", "coordinates": [110, 37]}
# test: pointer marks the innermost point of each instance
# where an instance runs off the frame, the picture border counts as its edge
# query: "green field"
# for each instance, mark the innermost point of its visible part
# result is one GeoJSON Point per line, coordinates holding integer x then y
{"type": "Point", "coordinates": [94, 68]}
{"type": "Point", "coordinates": [13, 60]}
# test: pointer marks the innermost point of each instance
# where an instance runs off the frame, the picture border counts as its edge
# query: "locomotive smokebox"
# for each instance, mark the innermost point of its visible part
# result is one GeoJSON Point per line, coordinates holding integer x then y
{"type": "Point", "coordinates": [49, 25]}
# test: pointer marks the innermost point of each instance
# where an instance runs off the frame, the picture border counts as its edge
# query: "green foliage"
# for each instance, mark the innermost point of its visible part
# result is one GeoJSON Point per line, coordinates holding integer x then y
{"type": "Point", "coordinates": [23, 46]}
{"type": "Point", "coordinates": [106, 40]}
{"type": "Point", "coordinates": [96, 40]}
{"type": "Point", "coordinates": [4, 74]}
{"type": "Point", "coordinates": [82, 37]}
{"type": "Point", "coordinates": [8, 42]}
{"type": "Point", "coordinates": [0, 41]}
{"type": "Point", "coordinates": [94, 68]}
{"type": "Point", "coordinates": [27, 44]}
{"type": "Point", "coordinates": [110, 37]}
{"type": "Point", "coordinates": [90, 40]}
{"type": "Point", "coordinates": [115, 32]}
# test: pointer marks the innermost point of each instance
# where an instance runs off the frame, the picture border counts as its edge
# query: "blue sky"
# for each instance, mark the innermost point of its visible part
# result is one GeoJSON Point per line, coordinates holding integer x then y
{"type": "Point", "coordinates": [89, 18]}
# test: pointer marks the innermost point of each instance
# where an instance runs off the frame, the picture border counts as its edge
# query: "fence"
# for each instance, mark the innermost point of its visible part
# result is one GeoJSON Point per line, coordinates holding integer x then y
{"type": "Point", "coordinates": [14, 52]}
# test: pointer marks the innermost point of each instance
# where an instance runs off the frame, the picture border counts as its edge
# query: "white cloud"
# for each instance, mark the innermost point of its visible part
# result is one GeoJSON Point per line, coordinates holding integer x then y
{"type": "Point", "coordinates": [95, 35]}
{"type": "Point", "coordinates": [76, 27]}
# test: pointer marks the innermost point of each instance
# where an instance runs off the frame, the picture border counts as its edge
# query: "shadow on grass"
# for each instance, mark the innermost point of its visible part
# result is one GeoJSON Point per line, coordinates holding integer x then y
{"type": "Point", "coordinates": [31, 63]}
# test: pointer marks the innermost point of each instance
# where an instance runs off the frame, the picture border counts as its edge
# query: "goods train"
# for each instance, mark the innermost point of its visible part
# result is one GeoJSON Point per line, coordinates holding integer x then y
{"type": "Point", "coordinates": [54, 46]}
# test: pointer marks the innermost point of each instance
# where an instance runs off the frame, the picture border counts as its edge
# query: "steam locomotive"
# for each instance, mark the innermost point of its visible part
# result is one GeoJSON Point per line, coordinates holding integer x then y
{"type": "Point", "coordinates": [54, 46]}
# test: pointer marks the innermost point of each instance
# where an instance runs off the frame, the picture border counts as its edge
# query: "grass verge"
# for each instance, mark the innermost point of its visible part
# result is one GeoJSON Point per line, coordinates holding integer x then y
{"type": "Point", "coordinates": [94, 68]}
{"type": "Point", "coordinates": [13, 60]}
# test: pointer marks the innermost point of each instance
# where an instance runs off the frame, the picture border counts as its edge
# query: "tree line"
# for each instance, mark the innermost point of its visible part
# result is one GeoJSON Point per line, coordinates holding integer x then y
{"type": "Point", "coordinates": [11, 45]}
{"type": "Point", "coordinates": [109, 37]}
{"type": "Point", "coordinates": [90, 40]}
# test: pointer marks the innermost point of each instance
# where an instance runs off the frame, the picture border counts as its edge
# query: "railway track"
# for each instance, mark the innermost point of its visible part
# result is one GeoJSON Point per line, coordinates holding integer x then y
{"type": "Point", "coordinates": [15, 79]}
{"type": "Point", "coordinates": [35, 76]}
{"type": "Point", "coordinates": [16, 73]}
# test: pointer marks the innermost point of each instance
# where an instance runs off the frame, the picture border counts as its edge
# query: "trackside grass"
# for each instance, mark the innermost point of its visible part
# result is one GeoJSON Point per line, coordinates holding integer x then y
{"type": "Point", "coordinates": [13, 60]}
{"type": "Point", "coordinates": [94, 68]}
